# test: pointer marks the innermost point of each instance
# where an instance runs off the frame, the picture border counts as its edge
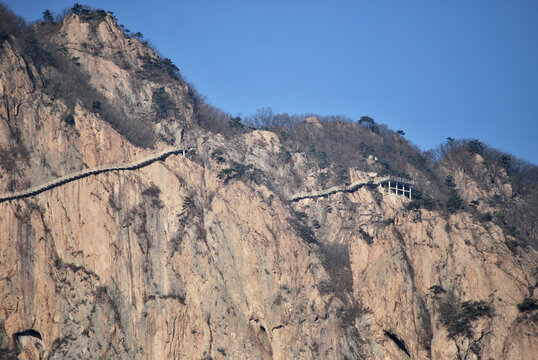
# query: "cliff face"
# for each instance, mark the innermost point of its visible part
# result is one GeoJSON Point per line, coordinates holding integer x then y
{"type": "Point", "coordinates": [203, 256]}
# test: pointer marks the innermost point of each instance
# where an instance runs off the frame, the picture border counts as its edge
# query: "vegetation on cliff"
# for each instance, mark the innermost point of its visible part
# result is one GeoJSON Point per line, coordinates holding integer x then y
{"type": "Point", "coordinates": [210, 242]}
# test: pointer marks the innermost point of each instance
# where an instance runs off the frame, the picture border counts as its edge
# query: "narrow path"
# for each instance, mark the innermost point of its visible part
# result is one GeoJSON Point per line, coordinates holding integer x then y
{"type": "Point", "coordinates": [87, 172]}
{"type": "Point", "coordinates": [161, 156]}
{"type": "Point", "coordinates": [333, 190]}
{"type": "Point", "coordinates": [372, 182]}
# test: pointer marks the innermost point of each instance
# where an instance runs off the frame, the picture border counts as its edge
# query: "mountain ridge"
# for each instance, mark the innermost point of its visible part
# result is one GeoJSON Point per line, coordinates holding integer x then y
{"type": "Point", "coordinates": [204, 256]}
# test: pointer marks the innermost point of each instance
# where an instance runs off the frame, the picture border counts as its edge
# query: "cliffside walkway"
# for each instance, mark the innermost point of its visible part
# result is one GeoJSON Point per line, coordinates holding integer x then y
{"type": "Point", "coordinates": [333, 190]}
{"type": "Point", "coordinates": [87, 172]}
{"type": "Point", "coordinates": [377, 181]}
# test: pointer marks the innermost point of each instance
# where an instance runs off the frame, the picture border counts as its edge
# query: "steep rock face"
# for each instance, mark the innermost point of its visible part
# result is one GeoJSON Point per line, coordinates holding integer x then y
{"type": "Point", "coordinates": [489, 185]}
{"type": "Point", "coordinates": [424, 262]}
{"type": "Point", "coordinates": [116, 65]}
{"type": "Point", "coordinates": [175, 275]}
{"type": "Point", "coordinates": [162, 262]}
{"type": "Point", "coordinates": [203, 256]}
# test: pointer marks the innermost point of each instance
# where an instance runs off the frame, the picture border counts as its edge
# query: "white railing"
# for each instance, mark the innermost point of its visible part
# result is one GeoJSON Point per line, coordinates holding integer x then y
{"type": "Point", "coordinates": [350, 188]}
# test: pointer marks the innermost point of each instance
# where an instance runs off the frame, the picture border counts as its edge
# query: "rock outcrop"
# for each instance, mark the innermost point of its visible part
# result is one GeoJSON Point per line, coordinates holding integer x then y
{"type": "Point", "coordinates": [204, 256]}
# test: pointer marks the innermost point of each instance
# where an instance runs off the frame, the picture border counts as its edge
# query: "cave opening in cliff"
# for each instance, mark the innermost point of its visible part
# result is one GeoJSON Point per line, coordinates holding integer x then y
{"type": "Point", "coordinates": [29, 332]}
{"type": "Point", "coordinates": [397, 341]}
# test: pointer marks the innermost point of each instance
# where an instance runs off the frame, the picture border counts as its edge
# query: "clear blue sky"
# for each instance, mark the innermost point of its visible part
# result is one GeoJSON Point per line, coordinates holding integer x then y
{"type": "Point", "coordinates": [464, 69]}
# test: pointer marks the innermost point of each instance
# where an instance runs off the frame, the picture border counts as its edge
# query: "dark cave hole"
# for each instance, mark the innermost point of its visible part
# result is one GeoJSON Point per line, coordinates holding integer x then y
{"type": "Point", "coordinates": [398, 342]}
{"type": "Point", "coordinates": [30, 332]}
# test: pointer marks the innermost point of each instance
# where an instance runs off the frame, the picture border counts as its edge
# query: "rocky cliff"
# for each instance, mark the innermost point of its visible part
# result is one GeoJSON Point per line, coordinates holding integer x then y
{"type": "Point", "coordinates": [204, 255]}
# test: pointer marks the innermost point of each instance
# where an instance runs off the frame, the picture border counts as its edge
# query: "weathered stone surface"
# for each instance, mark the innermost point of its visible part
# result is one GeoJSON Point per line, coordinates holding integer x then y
{"type": "Point", "coordinates": [170, 261]}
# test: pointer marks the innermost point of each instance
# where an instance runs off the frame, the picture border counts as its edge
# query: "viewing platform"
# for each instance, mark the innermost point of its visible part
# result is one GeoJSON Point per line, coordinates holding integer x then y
{"type": "Point", "coordinates": [397, 185]}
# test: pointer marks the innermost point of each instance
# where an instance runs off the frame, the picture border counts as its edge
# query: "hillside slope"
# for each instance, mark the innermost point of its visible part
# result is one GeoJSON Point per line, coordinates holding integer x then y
{"type": "Point", "coordinates": [205, 256]}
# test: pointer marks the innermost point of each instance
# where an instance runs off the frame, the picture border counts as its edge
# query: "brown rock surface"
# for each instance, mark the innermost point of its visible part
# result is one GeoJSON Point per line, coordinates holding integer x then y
{"type": "Point", "coordinates": [174, 261]}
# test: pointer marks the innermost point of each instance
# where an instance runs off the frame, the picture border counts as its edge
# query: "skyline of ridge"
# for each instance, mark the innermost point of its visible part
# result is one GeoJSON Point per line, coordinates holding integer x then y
{"type": "Point", "coordinates": [432, 70]}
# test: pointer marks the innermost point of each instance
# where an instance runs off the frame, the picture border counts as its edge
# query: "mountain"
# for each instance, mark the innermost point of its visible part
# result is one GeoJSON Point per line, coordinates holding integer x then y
{"type": "Point", "coordinates": [137, 221]}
